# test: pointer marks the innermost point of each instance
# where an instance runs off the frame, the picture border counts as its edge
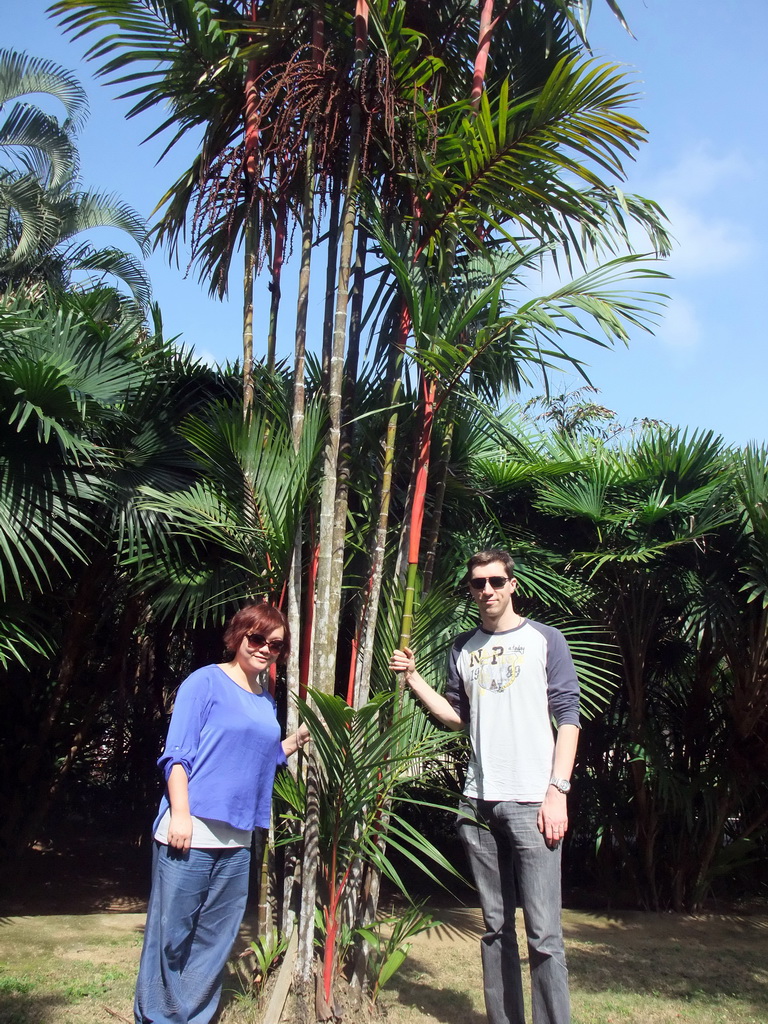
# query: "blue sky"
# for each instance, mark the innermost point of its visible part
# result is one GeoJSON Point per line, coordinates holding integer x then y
{"type": "Point", "coordinates": [702, 81]}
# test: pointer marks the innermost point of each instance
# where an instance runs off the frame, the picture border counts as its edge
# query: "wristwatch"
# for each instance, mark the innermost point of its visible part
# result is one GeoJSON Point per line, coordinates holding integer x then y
{"type": "Point", "coordinates": [563, 785]}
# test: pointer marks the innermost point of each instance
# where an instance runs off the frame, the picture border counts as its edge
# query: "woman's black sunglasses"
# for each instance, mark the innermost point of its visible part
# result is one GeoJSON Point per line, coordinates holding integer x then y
{"type": "Point", "coordinates": [259, 640]}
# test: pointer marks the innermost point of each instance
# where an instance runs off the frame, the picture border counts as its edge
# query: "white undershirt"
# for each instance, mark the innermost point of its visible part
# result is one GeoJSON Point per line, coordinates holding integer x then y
{"type": "Point", "coordinates": [207, 833]}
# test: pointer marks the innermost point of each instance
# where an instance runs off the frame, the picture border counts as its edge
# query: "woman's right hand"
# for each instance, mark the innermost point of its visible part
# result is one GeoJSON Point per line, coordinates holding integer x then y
{"type": "Point", "coordinates": [180, 831]}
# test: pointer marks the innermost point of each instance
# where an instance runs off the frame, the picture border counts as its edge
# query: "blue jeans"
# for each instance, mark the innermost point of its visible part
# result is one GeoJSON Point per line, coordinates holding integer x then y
{"type": "Point", "coordinates": [513, 866]}
{"type": "Point", "coordinates": [195, 910]}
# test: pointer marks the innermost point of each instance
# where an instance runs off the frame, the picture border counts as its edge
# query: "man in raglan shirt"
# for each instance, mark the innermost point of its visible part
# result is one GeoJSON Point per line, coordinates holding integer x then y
{"type": "Point", "coordinates": [507, 680]}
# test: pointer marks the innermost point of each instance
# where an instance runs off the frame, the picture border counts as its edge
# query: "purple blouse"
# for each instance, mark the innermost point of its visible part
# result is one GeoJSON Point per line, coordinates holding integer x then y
{"type": "Point", "coordinates": [228, 741]}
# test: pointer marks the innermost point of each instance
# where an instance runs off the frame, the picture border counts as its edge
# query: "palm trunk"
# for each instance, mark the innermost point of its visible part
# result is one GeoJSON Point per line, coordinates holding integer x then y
{"type": "Point", "coordinates": [437, 511]}
{"type": "Point", "coordinates": [332, 511]}
{"type": "Point", "coordinates": [278, 257]}
{"type": "Point", "coordinates": [296, 681]}
{"type": "Point", "coordinates": [348, 412]}
{"type": "Point", "coordinates": [305, 950]}
{"type": "Point", "coordinates": [487, 23]}
{"type": "Point", "coordinates": [370, 891]}
{"type": "Point", "coordinates": [250, 265]}
{"type": "Point", "coordinates": [356, 319]}
{"type": "Point", "coordinates": [330, 561]}
{"type": "Point", "coordinates": [297, 427]}
{"type": "Point", "coordinates": [330, 276]}
{"type": "Point", "coordinates": [429, 389]}
{"type": "Point", "coordinates": [369, 613]}
{"type": "Point", "coordinates": [249, 233]}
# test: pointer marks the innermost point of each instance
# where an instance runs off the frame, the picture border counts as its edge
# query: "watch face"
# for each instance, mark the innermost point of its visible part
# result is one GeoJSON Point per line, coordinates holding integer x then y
{"type": "Point", "coordinates": [562, 784]}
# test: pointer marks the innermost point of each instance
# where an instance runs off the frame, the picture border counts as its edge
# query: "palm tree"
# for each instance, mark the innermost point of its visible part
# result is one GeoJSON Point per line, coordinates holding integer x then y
{"type": "Point", "coordinates": [229, 73]}
{"type": "Point", "coordinates": [653, 532]}
{"type": "Point", "coordinates": [42, 207]}
{"type": "Point", "coordinates": [32, 141]}
{"type": "Point", "coordinates": [474, 185]}
{"type": "Point", "coordinates": [89, 402]}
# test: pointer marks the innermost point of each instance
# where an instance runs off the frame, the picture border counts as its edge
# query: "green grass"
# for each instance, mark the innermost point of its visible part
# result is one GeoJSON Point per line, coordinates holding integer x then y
{"type": "Point", "coordinates": [624, 968]}
{"type": "Point", "coordinates": [9, 983]}
{"type": "Point", "coordinates": [66, 970]}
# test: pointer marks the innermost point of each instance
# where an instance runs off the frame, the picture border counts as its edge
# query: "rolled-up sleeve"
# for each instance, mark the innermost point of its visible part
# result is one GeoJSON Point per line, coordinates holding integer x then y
{"type": "Point", "coordinates": [183, 740]}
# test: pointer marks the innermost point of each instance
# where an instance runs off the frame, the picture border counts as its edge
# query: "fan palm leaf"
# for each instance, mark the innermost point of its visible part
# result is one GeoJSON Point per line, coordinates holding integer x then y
{"type": "Point", "coordinates": [60, 375]}
{"type": "Point", "coordinates": [232, 531]}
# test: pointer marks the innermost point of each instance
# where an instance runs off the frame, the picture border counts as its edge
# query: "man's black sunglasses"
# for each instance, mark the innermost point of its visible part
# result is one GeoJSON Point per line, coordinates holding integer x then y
{"type": "Point", "coordinates": [259, 640]}
{"type": "Point", "coordinates": [497, 582]}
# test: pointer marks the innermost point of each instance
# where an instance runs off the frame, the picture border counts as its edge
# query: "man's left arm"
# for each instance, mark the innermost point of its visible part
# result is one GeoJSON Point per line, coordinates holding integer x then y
{"type": "Point", "coordinates": [563, 696]}
{"type": "Point", "coordinates": [553, 813]}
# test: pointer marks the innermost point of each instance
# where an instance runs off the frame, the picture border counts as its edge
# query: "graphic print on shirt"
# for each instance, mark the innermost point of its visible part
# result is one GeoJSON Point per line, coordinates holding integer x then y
{"type": "Point", "coordinates": [495, 668]}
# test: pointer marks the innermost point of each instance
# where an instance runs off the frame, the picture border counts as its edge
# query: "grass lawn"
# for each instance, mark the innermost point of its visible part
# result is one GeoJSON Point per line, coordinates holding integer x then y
{"type": "Point", "coordinates": [624, 967]}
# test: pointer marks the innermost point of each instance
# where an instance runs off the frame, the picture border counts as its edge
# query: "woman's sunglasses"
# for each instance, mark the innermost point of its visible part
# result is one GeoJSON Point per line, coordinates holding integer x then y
{"type": "Point", "coordinates": [259, 640]}
{"type": "Point", "coordinates": [497, 582]}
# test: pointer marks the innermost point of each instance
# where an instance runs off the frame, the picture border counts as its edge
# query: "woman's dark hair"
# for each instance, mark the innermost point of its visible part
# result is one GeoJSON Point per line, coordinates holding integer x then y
{"type": "Point", "coordinates": [257, 618]}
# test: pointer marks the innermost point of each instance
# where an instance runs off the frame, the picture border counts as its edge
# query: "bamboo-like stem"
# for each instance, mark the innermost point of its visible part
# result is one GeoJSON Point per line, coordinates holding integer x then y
{"type": "Point", "coordinates": [332, 511]}
{"type": "Point", "coordinates": [248, 275]}
{"type": "Point", "coordinates": [487, 23]}
{"type": "Point", "coordinates": [251, 224]}
{"type": "Point", "coordinates": [305, 952]}
{"type": "Point", "coordinates": [297, 428]}
{"type": "Point", "coordinates": [429, 389]}
{"type": "Point", "coordinates": [278, 256]}
{"type": "Point", "coordinates": [366, 631]}
{"type": "Point", "coordinates": [437, 506]}
{"type": "Point", "coordinates": [330, 277]}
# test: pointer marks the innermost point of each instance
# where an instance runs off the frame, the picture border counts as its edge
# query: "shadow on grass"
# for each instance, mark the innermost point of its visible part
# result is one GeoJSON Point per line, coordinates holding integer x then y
{"type": "Point", "coordinates": [450, 1005]}
{"type": "Point", "coordinates": [28, 1008]}
{"type": "Point", "coordinates": [442, 977]}
{"type": "Point", "coordinates": [671, 956]}
{"type": "Point", "coordinates": [456, 924]}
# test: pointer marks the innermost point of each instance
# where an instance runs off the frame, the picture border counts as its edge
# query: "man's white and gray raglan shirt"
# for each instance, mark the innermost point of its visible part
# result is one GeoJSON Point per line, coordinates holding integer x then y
{"type": "Point", "coordinates": [508, 687]}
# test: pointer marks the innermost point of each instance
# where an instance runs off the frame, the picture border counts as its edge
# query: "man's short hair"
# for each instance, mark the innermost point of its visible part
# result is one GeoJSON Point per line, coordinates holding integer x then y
{"type": "Point", "coordinates": [491, 555]}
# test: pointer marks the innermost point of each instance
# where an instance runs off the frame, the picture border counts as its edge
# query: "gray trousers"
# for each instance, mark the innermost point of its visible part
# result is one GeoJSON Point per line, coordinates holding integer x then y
{"type": "Point", "coordinates": [513, 866]}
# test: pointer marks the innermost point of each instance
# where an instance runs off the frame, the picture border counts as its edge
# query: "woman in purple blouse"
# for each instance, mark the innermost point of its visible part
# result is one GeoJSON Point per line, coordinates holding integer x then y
{"type": "Point", "coordinates": [221, 754]}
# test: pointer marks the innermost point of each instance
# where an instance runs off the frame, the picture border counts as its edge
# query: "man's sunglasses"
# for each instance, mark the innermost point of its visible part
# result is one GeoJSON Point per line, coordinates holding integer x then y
{"type": "Point", "coordinates": [259, 640]}
{"type": "Point", "coordinates": [497, 582]}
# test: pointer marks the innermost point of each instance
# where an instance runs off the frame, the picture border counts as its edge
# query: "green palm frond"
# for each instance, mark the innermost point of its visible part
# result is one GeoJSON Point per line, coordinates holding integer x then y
{"type": "Point", "coordinates": [751, 486]}
{"type": "Point", "coordinates": [232, 530]}
{"type": "Point", "coordinates": [114, 263]}
{"type": "Point", "coordinates": [22, 75]}
{"type": "Point", "coordinates": [365, 759]}
{"type": "Point", "coordinates": [597, 662]}
{"type": "Point", "coordinates": [21, 636]}
{"type": "Point", "coordinates": [28, 222]}
{"type": "Point", "coordinates": [34, 143]}
{"type": "Point", "coordinates": [83, 211]}
{"type": "Point", "coordinates": [539, 152]}
{"type": "Point", "coordinates": [582, 496]}
{"type": "Point", "coordinates": [64, 380]}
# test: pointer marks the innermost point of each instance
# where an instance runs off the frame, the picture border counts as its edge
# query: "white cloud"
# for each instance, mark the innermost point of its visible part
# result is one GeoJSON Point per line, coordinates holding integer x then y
{"type": "Point", "coordinates": [705, 244]}
{"type": "Point", "coordinates": [207, 357]}
{"type": "Point", "coordinates": [698, 173]}
{"type": "Point", "coordinates": [201, 355]}
{"type": "Point", "coordinates": [680, 328]}
{"type": "Point", "coordinates": [691, 194]}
